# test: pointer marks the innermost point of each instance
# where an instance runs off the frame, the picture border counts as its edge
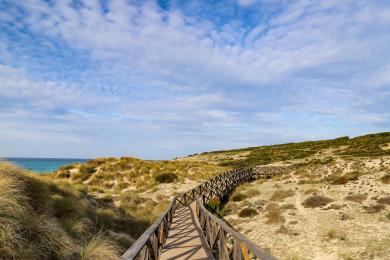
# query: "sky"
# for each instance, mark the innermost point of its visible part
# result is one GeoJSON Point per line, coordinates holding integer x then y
{"type": "Point", "coordinates": [160, 79]}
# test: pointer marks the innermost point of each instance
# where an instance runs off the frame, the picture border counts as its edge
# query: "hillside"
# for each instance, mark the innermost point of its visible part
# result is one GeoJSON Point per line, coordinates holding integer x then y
{"type": "Point", "coordinates": [40, 219]}
{"type": "Point", "coordinates": [367, 145]}
{"type": "Point", "coordinates": [140, 189]}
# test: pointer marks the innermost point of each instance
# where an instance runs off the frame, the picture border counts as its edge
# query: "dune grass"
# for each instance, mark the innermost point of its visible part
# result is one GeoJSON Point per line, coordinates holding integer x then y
{"type": "Point", "coordinates": [41, 220]}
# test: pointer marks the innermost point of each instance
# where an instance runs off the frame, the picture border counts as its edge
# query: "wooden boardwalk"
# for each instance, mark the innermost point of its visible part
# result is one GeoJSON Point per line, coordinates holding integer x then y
{"type": "Point", "coordinates": [187, 230]}
{"type": "Point", "coordinates": [185, 239]}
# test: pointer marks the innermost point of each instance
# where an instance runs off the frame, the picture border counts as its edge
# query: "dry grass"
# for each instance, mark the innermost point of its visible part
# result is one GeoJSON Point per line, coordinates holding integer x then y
{"type": "Point", "coordinates": [40, 220]}
{"type": "Point", "coordinates": [358, 198]}
{"type": "Point", "coordinates": [375, 208]}
{"type": "Point", "coordinates": [274, 214]}
{"type": "Point", "coordinates": [247, 212]}
{"type": "Point", "coordinates": [99, 248]}
{"type": "Point", "coordinates": [384, 200]}
{"type": "Point", "coordinates": [386, 178]}
{"type": "Point", "coordinates": [316, 201]}
{"type": "Point", "coordinates": [336, 233]}
{"type": "Point", "coordinates": [281, 195]}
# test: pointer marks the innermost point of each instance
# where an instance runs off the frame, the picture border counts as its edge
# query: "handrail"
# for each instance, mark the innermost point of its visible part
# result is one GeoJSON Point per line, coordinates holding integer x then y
{"type": "Point", "coordinates": [149, 244]}
{"type": "Point", "coordinates": [224, 241]}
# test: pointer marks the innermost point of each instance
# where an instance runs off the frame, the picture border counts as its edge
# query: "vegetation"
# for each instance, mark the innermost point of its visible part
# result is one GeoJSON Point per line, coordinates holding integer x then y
{"type": "Point", "coordinates": [281, 195]}
{"type": "Point", "coordinates": [274, 214]}
{"type": "Point", "coordinates": [41, 220]}
{"type": "Point", "coordinates": [358, 198]}
{"type": "Point", "coordinates": [166, 177]}
{"type": "Point", "coordinates": [247, 212]}
{"type": "Point", "coordinates": [315, 201]}
{"type": "Point", "coordinates": [386, 178]}
{"type": "Point", "coordinates": [362, 146]}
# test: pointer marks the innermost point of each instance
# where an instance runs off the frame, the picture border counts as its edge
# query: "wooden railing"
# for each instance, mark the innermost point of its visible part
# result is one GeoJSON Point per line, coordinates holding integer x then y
{"type": "Point", "coordinates": [149, 245]}
{"type": "Point", "coordinates": [224, 242]}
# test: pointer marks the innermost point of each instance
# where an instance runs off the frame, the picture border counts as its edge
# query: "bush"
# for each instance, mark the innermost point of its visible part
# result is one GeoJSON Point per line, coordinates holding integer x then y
{"type": "Point", "coordinates": [281, 195]}
{"type": "Point", "coordinates": [238, 196]}
{"type": "Point", "coordinates": [316, 201]}
{"type": "Point", "coordinates": [386, 178]}
{"type": "Point", "coordinates": [84, 169]}
{"type": "Point", "coordinates": [274, 214]}
{"type": "Point", "coordinates": [358, 198]}
{"type": "Point", "coordinates": [214, 206]}
{"type": "Point", "coordinates": [247, 212]}
{"type": "Point", "coordinates": [374, 208]}
{"type": "Point", "coordinates": [385, 200]}
{"type": "Point", "coordinates": [166, 177]}
{"type": "Point", "coordinates": [336, 234]}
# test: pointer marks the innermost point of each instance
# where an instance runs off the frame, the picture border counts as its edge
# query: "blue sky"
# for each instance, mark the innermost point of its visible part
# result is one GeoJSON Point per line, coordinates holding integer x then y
{"type": "Point", "coordinates": [162, 79]}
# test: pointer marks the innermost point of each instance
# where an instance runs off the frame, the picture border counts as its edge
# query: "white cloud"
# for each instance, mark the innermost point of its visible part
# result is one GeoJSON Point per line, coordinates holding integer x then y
{"type": "Point", "coordinates": [159, 74]}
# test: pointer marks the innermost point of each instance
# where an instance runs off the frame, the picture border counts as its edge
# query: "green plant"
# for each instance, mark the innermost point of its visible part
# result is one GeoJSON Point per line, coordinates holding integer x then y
{"type": "Point", "coordinates": [215, 207]}
{"type": "Point", "coordinates": [166, 177]}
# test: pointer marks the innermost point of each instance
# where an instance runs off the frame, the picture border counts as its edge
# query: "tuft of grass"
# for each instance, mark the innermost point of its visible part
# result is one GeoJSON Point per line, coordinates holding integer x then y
{"type": "Point", "coordinates": [274, 214]}
{"type": "Point", "coordinates": [238, 196]}
{"type": "Point", "coordinates": [281, 195]}
{"type": "Point", "coordinates": [99, 248]}
{"type": "Point", "coordinates": [335, 233]}
{"type": "Point", "coordinates": [358, 198]}
{"type": "Point", "coordinates": [375, 208]}
{"type": "Point", "coordinates": [344, 179]}
{"type": "Point", "coordinates": [384, 200]}
{"type": "Point", "coordinates": [386, 178]}
{"type": "Point", "coordinates": [315, 201]}
{"type": "Point", "coordinates": [247, 212]}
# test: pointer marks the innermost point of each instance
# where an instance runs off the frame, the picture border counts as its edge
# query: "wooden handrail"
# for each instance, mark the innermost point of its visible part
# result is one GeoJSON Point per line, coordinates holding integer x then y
{"type": "Point", "coordinates": [149, 244]}
{"type": "Point", "coordinates": [224, 241]}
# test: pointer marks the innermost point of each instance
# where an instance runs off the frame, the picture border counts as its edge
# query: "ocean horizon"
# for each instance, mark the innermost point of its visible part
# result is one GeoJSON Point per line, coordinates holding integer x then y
{"type": "Point", "coordinates": [42, 165]}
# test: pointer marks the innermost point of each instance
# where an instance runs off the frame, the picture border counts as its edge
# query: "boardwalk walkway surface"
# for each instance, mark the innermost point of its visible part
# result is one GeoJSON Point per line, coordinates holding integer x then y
{"type": "Point", "coordinates": [185, 239]}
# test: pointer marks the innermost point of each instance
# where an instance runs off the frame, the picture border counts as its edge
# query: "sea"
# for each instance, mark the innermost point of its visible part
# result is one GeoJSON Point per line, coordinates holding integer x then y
{"type": "Point", "coordinates": [43, 165]}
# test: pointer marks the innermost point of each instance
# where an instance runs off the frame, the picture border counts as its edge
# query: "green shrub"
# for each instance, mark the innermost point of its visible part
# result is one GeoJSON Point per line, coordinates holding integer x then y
{"type": "Point", "coordinates": [166, 177]}
{"type": "Point", "coordinates": [215, 207]}
{"type": "Point", "coordinates": [86, 169]}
